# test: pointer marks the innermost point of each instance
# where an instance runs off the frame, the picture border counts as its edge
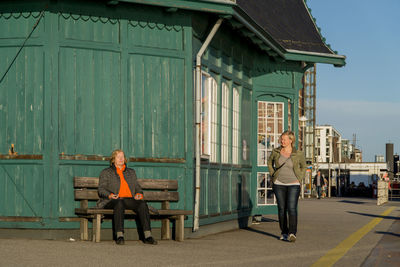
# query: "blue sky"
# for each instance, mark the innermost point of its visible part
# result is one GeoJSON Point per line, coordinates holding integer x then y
{"type": "Point", "coordinates": [362, 98]}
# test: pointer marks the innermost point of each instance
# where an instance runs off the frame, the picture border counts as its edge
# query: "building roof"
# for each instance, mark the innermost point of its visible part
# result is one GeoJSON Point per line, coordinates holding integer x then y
{"type": "Point", "coordinates": [282, 28]}
{"type": "Point", "coordinates": [289, 23]}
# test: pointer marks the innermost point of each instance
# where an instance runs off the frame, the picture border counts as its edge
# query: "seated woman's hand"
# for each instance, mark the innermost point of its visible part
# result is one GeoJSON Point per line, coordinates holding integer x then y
{"type": "Point", "coordinates": [138, 196]}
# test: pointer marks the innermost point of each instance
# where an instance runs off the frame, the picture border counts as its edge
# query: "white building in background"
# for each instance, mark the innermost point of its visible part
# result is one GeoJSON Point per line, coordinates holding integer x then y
{"type": "Point", "coordinates": [328, 144]}
{"type": "Point", "coordinates": [379, 158]}
{"type": "Point", "coordinates": [357, 172]}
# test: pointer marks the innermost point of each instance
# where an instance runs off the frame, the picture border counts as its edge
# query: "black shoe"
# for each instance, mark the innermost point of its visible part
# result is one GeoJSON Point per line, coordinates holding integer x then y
{"type": "Point", "coordinates": [150, 240]}
{"type": "Point", "coordinates": [120, 241]}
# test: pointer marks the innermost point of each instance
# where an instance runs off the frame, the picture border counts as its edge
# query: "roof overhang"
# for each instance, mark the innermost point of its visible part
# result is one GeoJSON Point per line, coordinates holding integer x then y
{"type": "Point", "coordinates": [223, 7]}
{"type": "Point", "coordinates": [239, 20]}
{"type": "Point", "coordinates": [264, 40]}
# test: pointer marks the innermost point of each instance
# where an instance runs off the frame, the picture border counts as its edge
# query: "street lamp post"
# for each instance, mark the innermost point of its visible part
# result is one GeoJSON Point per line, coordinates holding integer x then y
{"type": "Point", "coordinates": [329, 164]}
{"type": "Point", "coordinates": [303, 120]}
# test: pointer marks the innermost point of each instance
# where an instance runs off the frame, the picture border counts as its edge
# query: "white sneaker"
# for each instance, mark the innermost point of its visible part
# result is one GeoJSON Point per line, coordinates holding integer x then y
{"type": "Point", "coordinates": [284, 237]}
{"type": "Point", "coordinates": [292, 238]}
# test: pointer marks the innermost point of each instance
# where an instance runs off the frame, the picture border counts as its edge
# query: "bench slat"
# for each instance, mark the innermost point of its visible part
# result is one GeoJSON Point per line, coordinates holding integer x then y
{"type": "Point", "coordinates": [92, 211]}
{"type": "Point", "coordinates": [155, 184]}
{"type": "Point", "coordinates": [148, 195]}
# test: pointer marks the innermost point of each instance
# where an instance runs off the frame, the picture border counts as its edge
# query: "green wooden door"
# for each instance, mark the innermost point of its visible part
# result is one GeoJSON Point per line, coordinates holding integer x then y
{"type": "Point", "coordinates": [271, 120]}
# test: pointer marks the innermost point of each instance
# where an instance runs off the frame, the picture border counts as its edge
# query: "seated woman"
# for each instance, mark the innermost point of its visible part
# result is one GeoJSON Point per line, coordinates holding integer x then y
{"type": "Point", "coordinates": [120, 190]}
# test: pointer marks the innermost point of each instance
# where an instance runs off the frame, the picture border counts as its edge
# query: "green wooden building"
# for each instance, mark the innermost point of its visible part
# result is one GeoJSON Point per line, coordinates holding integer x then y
{"type": "Point", "coordinates": [193, 90]}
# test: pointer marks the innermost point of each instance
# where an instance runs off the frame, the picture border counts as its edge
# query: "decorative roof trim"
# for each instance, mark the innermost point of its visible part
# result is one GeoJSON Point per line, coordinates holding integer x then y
{"type": "Point", "coordinates": [314, 21]}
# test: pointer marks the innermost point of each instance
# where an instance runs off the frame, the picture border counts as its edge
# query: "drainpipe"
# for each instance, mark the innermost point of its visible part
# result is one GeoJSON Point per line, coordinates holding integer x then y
{"type": "Point", "coordinates": [198, 120]}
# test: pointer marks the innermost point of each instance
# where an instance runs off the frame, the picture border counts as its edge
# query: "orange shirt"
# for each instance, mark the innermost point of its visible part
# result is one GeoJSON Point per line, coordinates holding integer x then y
{"type": "Point", "coordinates": [124, 190]}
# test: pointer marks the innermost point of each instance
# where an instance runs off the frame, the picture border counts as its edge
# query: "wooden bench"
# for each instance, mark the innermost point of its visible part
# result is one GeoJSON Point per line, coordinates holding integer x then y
{"type": "Point", "coordinates": [164, 191]}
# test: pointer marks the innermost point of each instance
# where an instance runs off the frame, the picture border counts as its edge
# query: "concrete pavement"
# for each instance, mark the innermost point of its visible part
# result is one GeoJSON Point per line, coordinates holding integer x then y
{"type": "Point", "coordinates": [326, 228]}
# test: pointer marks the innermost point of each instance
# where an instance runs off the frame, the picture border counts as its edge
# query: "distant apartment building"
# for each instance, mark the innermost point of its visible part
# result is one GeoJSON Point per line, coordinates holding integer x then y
{"type": "Point", "coordinates": [327, 144]}
{"type": "Point", "coordinates": [331, 147]}
{"type": "Point", "coordinates": [347, 149]}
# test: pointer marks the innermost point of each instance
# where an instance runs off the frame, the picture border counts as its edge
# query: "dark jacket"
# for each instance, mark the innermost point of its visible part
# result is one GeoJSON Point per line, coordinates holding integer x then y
{"type": "Point", "coordinates": [109, 182]}
{"type": "Point", "coordinates": [322, 180]}
{"type": "Point", "coordinates": [299, 164]}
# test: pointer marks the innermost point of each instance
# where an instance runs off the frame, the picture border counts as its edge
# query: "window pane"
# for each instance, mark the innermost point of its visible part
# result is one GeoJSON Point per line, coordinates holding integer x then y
{"type": "Point", "coordinates": [269, 129]}
{"type": "Point", "coordinates": [225, 124]}
{"type": "Point", "coordinates": [265, 194]}
{"type": "Point", "coordinates": [213, 92]}
{"type": "Point", "coordinates": [279, 110]}
{"type": "Point", "coordinates": [235, 126]}
{"type": "Point", "coordinates": [205, 115]}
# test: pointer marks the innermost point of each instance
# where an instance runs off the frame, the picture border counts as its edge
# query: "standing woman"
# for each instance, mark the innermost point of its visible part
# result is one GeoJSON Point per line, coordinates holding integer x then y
{"type": "Point", "coordinates": [287, 167]}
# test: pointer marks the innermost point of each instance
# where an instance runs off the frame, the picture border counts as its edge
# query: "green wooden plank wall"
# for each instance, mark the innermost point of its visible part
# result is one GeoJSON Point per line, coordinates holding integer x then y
{"type": "Point", "coordinates": [21, 190]}
{"type": "Point", "coordinates": [118, 83]}
{"type": "Point", "coordinates": [89, 101]}
{"type": "Point", "coordinates": [157, 97]}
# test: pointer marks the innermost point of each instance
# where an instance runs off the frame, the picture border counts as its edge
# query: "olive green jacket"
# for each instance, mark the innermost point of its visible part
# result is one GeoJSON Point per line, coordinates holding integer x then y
{"type": "Point", "coordinates": [299, 164]}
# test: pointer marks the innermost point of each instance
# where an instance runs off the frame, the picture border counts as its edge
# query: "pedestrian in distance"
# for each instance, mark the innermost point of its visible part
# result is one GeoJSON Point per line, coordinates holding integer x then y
{"type": "Point", "coordinates": [120, 190]}
{"type": "Point", "coordinates": [319, 182]}
{"type": "Point", "coordinates": [287, 167]}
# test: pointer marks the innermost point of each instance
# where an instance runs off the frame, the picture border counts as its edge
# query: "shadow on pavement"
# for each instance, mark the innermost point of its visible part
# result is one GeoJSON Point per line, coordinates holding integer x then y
{"type": "Point", "coordinates": [261, 232]}
{"type": "Point", "coordinates": [374, 215]}
{"type": "Point", "coordinates": [353, 202]}
{"type": "Point", "coordinates": [387, 233]}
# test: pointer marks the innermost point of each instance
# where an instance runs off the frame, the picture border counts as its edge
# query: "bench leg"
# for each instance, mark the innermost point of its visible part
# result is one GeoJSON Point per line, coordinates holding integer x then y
{"type": "Point", "coordinates": [96, 228]}
{"type": "Point", "coordinates": [180, 228]}
{"type": "Point", "coordinates": [165, 229]}
{"type": "Point", "coordinates": [84, 229]}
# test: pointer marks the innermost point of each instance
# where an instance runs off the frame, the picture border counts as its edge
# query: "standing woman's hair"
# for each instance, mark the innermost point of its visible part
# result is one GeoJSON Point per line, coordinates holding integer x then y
{"type": "Point", "coordinates": [114, 154]}
{"type": "Point", "coordinates": [291, 136]}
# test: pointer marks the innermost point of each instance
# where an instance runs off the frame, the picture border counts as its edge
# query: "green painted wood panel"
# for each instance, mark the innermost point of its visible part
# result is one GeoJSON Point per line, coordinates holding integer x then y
{"type": "Point", "coordinates": [156, 112]}
{"type": "Point", "coordinates": [19, 25]}
{"type": "Point", "coordinates": [160, 34]}
{"type": "Point", "coordinates": [89, 101]}
{"type": "Point", "coordinates": [203, 210]}
{"type": "Point", "coordinates": [235, 189]}
{"type": "Point", "coordinates": [225, 191]}
{"type": "Point", "coordinates": [247, 201]}
{"type": "Point", "coordinates": [21, 190]}
{"type": "Point", "coordinates": [21, 101]}
{"type": "Point", "coordinates": [246, 108]}
{"type": "Point", "coordinates": [89, 28]}
{"type": "Point", "coordinates": [213, 192]}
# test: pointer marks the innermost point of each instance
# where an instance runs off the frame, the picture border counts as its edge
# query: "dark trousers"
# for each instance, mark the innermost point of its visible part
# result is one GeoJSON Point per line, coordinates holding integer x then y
{"type": "Point", "coordinates": [287, 198]}
{"type": "Point", "coordinates": [138, 206]}
{"type": "Point", "coordinates": [319, 191]}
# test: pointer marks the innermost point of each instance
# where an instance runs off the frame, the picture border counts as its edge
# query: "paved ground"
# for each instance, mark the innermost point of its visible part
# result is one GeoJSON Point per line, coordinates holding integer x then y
{"type": "Point", "coordinates": [358, 229]}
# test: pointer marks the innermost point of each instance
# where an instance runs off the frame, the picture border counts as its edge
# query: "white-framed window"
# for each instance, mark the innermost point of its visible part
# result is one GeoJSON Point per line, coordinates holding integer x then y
{"type": "Point", "coordinates": [269, 128]}
{"type": "Point", "coordinates": [265, 194]}
{"type": "Point", "coordinates": [209, 117]}
{"type": "Point", "coordinates": [235, 126]}
{"type": "Point", "coordinates": [205, 114]}
{"type": "Point", "coordinates": [225, 123]}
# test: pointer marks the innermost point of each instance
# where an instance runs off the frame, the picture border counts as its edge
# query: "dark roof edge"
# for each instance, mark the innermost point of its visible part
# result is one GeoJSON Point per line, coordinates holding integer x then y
{"type": "Point", "coordinates": [288, 54]}
{"type": "Point", "coordinates": [260, 32]}
{"type": "Point", "coordinates": [314, 21]}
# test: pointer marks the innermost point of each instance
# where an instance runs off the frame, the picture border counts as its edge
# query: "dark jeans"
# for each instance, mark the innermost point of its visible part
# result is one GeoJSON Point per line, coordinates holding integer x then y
{"type": "Point", "coordinates": [138, 206]}
{"type": "Point", "coordinates": [287, 198]}
{"type": "Point", "coordinates": [319, 189]}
